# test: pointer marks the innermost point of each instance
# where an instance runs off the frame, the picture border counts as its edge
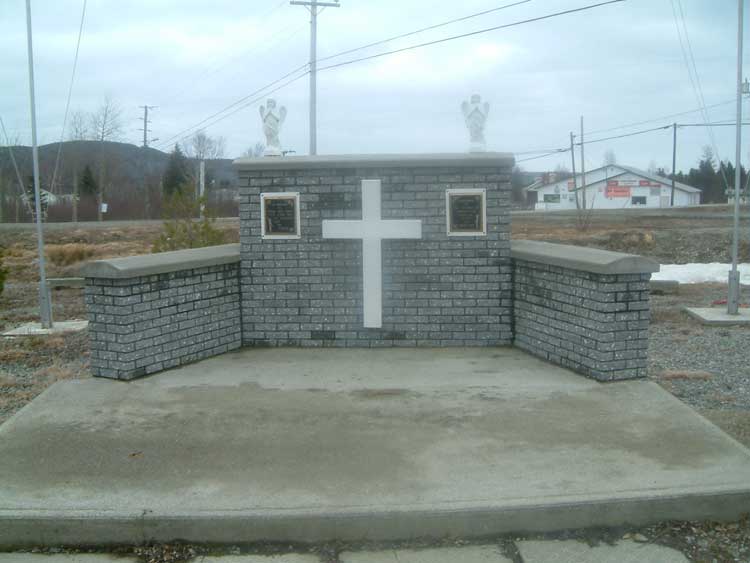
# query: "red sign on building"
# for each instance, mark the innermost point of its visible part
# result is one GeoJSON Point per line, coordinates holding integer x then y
{"type": "Point", "coordinates": [614, 189]}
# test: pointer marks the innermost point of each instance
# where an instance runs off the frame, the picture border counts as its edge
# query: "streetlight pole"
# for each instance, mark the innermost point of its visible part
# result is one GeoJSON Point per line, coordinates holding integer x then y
{"type": "Point", "coordinates": [45, 308]}
{"type": "Point", "coordinates": [733, 298]}
{"type": "Point", "coordinates": [312, 6]}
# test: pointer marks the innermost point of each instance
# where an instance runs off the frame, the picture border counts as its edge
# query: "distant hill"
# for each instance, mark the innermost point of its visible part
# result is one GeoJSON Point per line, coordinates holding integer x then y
{"type": "Point", "coordinates": [126, 165]}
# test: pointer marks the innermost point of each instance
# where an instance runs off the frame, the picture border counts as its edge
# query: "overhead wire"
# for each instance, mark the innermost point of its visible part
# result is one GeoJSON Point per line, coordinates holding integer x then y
{"type": "Point", "coordinates": [422, 30]}
{"type": "Point", "coordinates": [386, 53]}
{"type": "Point", "coordinates": [689, 60]}
{"type": "Point", "coordinates": [385, 41]}
{"type": "Point", "coordinates": [21, 186]}
{"type": "Point", "coordinates": [655, 119]}
{"type": "Point", "coordinates": [67, 103]}
{"type": "Point", "coordinates": [255, 49]}
{"type": "Point", "coordinates": [470, 34]}
{"type": "Point", "coordinates": [198, 125]}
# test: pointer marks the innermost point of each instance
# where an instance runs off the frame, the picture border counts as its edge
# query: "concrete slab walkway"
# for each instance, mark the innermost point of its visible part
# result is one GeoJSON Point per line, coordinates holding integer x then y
{"type": "Point", "coordinates": [312, 445]}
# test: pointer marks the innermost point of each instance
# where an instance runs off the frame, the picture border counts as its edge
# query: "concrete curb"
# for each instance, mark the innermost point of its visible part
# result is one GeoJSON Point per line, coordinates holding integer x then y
{"type": "Point", "coordinates": [37, 528]}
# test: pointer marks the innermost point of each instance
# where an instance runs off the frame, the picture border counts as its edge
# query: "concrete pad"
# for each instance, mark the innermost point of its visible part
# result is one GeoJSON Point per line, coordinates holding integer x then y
{"type": "Point", "coordinates": [468, 554]}
{"type": "Point", "coordinates": [718, 316]}
{"type": "Point", "coordinates": [59, 327]}
{"type": "Point", "coordinates": [571, 551]}
{"type": "Point", "coordinates": [65, 558]}
{"type": "Point", "coordinates": [312, 445]}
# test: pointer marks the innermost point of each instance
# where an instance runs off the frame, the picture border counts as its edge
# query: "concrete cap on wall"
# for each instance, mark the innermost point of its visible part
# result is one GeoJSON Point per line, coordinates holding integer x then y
{"type": "Point", "coordinates": [581, 258]}
{"type": "Point", "coordinates": [162, 263]}
{"type": "Point", "coordinates": [468, 160]}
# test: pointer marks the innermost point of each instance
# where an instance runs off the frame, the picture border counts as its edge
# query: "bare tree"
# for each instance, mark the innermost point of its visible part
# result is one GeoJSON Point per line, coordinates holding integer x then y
{"type": "Point", "coordinates": [203, 147]}
{"type": "Point", "coordinates": [255, 151]}
{"type": "Point", "coordinates": [78, 130]}
{"type": "Point", "coordinates": [106, 121]}
{"type": "Point", "coordinates": [609, 157]}
{"type": "Point", "coordinates": [106, 126]}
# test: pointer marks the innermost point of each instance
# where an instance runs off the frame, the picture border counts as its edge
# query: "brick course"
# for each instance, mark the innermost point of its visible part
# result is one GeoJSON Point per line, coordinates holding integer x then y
{"type": "Point", "coordinates": [146, 324]}
{"type": "Point", "coordinates": [437, 291]}
{"type": "Point", "coordinates": [595, 324]}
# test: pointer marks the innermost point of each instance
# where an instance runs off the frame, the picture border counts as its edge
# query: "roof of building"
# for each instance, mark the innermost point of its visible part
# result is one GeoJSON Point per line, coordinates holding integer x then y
{"type": "Point", "coordinates": [625, 169]}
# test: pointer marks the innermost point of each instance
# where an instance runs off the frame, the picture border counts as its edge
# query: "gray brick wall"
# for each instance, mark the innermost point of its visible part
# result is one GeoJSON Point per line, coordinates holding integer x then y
{"type": "Point", "coordinates": [595, 324]}
{"type": "Point", "coordinates": [142, 325]}
{"type": "Point", "coordinates": [437, 291]}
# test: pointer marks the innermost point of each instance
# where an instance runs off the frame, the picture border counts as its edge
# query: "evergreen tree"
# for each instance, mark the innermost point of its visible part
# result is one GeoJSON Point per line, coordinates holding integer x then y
{"type": "Point", "coordinates": [175, 176]}
{"type": "Point", "coordinates": [87, 184]}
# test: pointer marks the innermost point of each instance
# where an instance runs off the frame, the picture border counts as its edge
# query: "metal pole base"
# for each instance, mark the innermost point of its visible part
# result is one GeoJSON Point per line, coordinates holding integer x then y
{"type": "Point", "coordinates": [733, 300]}
{"type": "Point", "coordinates": [45, 302]}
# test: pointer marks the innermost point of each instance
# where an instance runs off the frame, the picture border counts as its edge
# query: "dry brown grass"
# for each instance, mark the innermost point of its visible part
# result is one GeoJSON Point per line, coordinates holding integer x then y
{"type": "Point", "coordinates": [68, 254]}
{"type": "Point", "coordinates": [685, 375]}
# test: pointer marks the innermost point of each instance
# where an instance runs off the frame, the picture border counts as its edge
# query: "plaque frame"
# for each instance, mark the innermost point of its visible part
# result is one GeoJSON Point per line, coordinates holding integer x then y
{"type": "Point", "coordinates": [280, 195]}
{"type": "Point", "coordinates": [482, 192]}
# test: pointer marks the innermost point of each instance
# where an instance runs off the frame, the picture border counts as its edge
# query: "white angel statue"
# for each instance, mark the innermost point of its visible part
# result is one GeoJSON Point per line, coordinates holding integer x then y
{"type": "Point", "coordinates": [475, 115]}
{"type": "Point", "coordinates": [272, 121]}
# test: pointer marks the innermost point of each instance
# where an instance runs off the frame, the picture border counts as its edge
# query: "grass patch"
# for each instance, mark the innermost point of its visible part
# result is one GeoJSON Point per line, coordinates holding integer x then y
{"type": "Point", "coordinates": [67, 254]}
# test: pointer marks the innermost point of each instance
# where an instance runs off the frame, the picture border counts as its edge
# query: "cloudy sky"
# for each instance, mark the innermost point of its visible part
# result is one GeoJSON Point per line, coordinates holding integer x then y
{"type": "Point", "coordinates": [615, 65]}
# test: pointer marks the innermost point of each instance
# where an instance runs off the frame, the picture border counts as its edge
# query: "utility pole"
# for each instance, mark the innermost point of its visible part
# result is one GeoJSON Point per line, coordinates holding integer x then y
{"type": "Point", "coordinates": [202, 186]}
{"type": "Point", "coordinates": [674, 161]}
{"type": "Point", "coordinates": [146, 121]}
{"type": "Point", "coordinates": [312, 6]}
{"type": "Point", "coordinates": [733, 298]}
{"type": "Point", "coordinates": [146, 191]}
{"type": "Point", "coordinates": [573, 162]}
{"type": "Point", "coordinates": [45, 307]}
{"type": "Point", "coordinates": [583, 167]}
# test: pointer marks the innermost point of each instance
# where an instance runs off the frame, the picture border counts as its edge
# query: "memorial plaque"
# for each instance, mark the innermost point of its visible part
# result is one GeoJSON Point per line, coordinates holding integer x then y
{"type": "Point", "coordinates": [466, 211]}
{"type": "Point", "coordinates": [280, 215]}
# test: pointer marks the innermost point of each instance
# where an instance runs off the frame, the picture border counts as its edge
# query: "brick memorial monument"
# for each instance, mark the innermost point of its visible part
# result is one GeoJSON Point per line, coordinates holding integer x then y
{"type": "Point", "coordinates": [365, 251]}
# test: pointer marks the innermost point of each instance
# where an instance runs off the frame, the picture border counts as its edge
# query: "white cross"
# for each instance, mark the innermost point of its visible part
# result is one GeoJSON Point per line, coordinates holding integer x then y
{"type": "Point", "coordinates": [372, 230]}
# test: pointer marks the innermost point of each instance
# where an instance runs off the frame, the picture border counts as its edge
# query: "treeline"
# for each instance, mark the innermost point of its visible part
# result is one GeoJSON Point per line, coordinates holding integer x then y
{"type": "Point", "coordinates": [716, 182]}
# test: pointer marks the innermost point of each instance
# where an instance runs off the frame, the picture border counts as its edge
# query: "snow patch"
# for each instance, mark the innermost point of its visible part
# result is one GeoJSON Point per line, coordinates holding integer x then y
{"type": "Point", "coordinates": [701, 273]}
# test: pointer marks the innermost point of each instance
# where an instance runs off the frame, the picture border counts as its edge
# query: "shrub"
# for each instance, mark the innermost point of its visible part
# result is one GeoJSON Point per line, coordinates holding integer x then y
{"type": "Point", "coordinates": [3, 270]}
{"type": "Point", "coordinates": [181, 228]}
{"type": "Point", "coordinates": [67, 254]}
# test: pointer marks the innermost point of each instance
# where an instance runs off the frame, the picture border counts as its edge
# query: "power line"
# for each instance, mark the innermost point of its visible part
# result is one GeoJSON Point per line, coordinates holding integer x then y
{"type": "Point", "coordinates": [472, 33]}
{"type": "Point", "coordinates": [669, 116]}
{"type": "Point", "coordinates": [312, 7]}
{"type": "Point", "coordinates": [626, 135]}
{"type": "Point", "coordinates": [70, 93]}
{"type": "Point", "coordinates": [429, 28]}
{"type": "Point", "coordinates": [255, 50]}
{"type": "Point", "coordinates": [695, 80]}
{"type": "Point", "coordinates": [198, 125]}
{"type": "Point", "coordinates": [21, 185]}
{"type": "Point", "coordinates": [249, 103]}
{"type": "Point", "coordinates": [551, 153]}
{"type": "Point", "coordinates": [429, 43]}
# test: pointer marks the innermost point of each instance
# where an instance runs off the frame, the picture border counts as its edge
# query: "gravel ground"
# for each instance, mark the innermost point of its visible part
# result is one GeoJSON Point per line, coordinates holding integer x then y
{"type": "Point", "coordinates": [706, 367]}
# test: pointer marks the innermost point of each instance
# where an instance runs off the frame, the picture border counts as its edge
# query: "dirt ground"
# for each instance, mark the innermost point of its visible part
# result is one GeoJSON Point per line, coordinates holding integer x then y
{"type": "Point", "coordinates": [707, 367]}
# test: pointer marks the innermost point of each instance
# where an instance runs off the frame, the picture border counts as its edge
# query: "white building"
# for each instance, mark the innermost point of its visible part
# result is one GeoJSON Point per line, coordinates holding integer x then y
{"type": "Point", "coordinates": [612, 187]}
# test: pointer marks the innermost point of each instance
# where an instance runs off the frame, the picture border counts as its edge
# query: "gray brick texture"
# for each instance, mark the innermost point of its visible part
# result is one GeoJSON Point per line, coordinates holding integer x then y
{"type": "Point", "coordinates": [437, 291]}
{"type": "Point", "coordinates": [147, 324]}
{"type": "Point", "coordinates": [591, 323]}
